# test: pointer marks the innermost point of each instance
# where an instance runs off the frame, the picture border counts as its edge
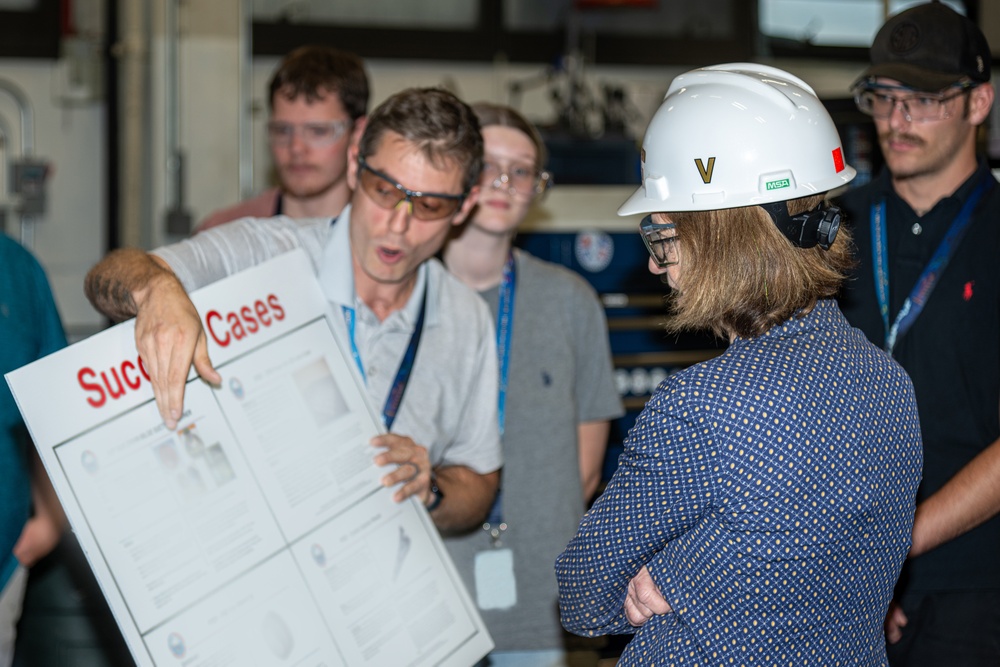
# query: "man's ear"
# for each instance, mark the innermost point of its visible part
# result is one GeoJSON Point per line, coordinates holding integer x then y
{"type": "Point", "coordinates": [359, 128]}
{"type": "Point", "coordinates": [980, 103]}
{"type": "Point", "coordinates": [467, 206]}
{"type": "Point", "coordinates": [352, 166]}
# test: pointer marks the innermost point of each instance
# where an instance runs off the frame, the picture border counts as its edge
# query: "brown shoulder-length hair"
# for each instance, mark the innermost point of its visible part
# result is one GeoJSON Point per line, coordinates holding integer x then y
{"type": "Point", "coordinates": [739, 274]}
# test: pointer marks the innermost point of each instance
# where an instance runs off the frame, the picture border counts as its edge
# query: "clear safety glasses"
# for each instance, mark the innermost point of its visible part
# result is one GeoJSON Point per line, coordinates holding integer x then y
{"type": "Point", "coordinates": [519, 178]}
{"type": "Point", "coordinates": [315, 135]}
{"type": "Point", "coordinates": [879, 101]}
{"type": "Point", "coordinates": [661, 242]}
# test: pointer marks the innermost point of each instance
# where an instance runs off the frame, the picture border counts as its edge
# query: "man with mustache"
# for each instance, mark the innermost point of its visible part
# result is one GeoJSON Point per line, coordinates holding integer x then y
{"type": "Point", "coordinates": [927, 289]}
{"type": "Point", "coordinates": [318, 103]}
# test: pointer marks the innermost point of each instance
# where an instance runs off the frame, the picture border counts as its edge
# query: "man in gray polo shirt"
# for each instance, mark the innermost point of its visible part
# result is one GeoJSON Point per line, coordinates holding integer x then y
{"type": "Point", "coordinates": [413, 177]}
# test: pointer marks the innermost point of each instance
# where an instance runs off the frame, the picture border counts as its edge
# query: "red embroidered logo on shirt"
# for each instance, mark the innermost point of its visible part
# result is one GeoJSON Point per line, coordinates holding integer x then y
{"type": "Point", "coordinates": [967, 292]}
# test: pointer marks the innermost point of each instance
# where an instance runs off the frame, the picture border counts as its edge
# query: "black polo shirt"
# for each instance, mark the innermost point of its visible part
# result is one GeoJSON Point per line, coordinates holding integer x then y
{"type": "Point", "coordinates": [952, 351]}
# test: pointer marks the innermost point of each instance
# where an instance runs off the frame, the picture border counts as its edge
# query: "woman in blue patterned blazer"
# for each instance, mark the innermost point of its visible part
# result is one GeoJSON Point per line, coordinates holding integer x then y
{"type": "Point", "coordinates": [762, 507]}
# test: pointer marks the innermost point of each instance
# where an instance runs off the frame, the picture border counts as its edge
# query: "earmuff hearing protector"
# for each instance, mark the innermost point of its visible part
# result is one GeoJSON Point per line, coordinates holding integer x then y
{"type": "Point", "coordinates": [805, 230]}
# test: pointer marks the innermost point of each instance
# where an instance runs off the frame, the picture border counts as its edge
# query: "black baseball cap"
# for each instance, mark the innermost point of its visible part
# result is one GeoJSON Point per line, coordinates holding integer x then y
{"type": "Point", "coordinates": [929, 47]}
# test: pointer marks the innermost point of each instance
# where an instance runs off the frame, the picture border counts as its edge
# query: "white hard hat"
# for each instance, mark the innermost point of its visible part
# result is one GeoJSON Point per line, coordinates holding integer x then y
{"type": "Point", "coordinates": [739, 134]}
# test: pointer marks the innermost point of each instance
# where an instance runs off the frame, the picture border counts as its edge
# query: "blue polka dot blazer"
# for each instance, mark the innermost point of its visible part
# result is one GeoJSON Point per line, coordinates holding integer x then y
{"type": "Point", "coordinates": [770, 492]}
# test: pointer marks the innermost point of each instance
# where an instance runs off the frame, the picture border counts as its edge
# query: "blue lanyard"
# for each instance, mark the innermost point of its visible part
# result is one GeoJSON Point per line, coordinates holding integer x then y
{"type": "Point", "coordinates": [505, 329]}
{"type": "Point", "coordinates": [395, 397]}
{"type": "Point", "coordinates": [915, 302]}
{"type": "Point", "coordinates": [350, 317]}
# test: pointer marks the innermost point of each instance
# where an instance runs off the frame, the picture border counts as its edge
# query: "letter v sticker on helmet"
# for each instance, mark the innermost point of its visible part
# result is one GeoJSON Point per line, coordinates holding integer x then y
{"type": "Point", "coordinates": [706, 174]}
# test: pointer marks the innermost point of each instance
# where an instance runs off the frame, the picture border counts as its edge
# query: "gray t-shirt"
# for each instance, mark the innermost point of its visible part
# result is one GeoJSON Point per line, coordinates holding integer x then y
{"type": "Point", "coordinates": [560, 375]}
{"type": "Point", "coordinates": [450, 404]}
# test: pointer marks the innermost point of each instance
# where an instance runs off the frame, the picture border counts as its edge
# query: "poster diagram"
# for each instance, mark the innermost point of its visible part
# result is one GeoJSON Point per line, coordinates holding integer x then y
{"type": "Point", "coordinates": [257, 531]}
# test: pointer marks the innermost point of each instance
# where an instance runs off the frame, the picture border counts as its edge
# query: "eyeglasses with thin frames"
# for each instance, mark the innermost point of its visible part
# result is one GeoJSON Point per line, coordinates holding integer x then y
{"type": "Point", "coordinates": [387, 194]}
{"type": "Point", "coordinates": [661, 242]}
{"type": "Point", "coordinates": [919, 107]}
{"type": "Point", "coordinates": [315, 135]}
{"type": "Point", "coordinates": [518, 178]}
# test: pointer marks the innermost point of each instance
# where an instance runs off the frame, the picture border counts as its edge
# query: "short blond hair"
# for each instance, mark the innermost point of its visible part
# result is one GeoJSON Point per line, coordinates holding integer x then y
{"type": "Point", "coordinates": [740, 275]}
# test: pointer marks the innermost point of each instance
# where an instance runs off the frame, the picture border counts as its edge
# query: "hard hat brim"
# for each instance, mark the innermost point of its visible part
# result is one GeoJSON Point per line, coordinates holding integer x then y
{"type": "Point", "coordinates": [638, 202]}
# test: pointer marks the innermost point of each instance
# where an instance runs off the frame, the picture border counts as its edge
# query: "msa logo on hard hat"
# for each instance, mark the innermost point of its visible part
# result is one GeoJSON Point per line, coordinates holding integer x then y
{"type": "Point", "coordinates": [706, 173]}
{"type": "Point", "coordinates": [778, 184]}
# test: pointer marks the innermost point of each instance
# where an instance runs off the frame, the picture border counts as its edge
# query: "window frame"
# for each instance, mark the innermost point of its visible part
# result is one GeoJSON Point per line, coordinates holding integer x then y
{"type": "Point", "coordinates": [782, 47]}
{"type": "Point", "coordinates": [490, 38]}
{"type": "Point", "coordinates": [31, 33]}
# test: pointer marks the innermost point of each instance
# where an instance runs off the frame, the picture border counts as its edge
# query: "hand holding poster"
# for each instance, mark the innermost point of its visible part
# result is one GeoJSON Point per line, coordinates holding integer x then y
{"type": "Point", "coordinates": [256, 532]}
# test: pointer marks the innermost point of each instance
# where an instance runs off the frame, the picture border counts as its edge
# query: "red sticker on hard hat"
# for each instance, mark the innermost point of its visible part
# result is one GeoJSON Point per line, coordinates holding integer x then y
{"type": "Point", "coordinates": [838, 159]}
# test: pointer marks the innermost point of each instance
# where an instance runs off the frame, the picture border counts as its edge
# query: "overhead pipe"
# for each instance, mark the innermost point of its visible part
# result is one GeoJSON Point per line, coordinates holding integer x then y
{"type": "Point", "coordinates": [178, 218]}
{"type": "Point", "coordinates": [132, 52]}
{"type": "Point", "coordinates": [26, 113]}
{"type": "Point", "coordinates": [245, 126]}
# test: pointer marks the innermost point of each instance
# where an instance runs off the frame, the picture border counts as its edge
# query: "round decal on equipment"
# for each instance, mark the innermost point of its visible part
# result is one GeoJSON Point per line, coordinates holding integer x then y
{"type": "Point", "coordinates": [594, 250]}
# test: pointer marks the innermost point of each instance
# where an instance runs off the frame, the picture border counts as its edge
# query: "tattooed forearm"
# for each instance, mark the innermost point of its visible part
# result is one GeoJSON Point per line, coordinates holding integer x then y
{"type": "Point", "coordinates": [112, 285]}
{"type": "Point", "coordinates": [110, 297]}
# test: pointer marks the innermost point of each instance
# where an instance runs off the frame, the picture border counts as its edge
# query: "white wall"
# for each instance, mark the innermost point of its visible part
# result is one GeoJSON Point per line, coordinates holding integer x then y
{"type": "Point", "coordinates": [70, 237]}
{"type": "Point", "coordinates": [208, 100]}
{"type": "Point", "coordinates": [72, 136]}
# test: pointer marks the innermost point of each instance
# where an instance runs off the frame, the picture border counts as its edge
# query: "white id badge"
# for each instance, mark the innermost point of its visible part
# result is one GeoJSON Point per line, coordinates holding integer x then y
{"type": "Point", "coordinates": [495, 584]}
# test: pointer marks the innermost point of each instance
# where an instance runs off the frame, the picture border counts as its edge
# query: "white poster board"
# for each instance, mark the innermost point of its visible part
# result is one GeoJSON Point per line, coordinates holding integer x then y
{"type": "Point", "coordinates": [257, 532]}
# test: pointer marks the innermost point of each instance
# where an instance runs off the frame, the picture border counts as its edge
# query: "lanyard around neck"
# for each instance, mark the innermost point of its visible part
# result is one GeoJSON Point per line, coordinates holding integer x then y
{"type": "Point", "coordinates": [505, 326]}
{"type": "Point", "coordinates": [395, 397]}
{"type": "Point", "coordinates": [505, 329]}
{"type": "Point", "coordinates": [921, 291]}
